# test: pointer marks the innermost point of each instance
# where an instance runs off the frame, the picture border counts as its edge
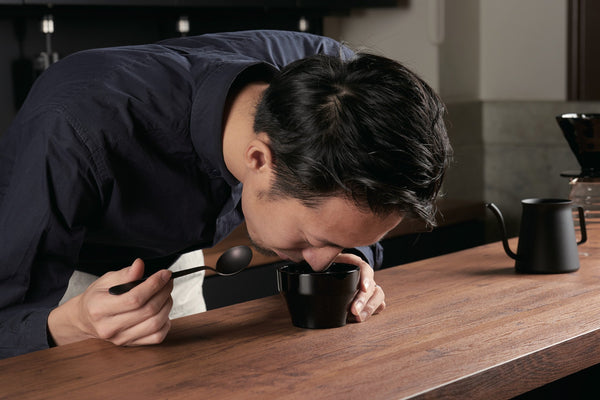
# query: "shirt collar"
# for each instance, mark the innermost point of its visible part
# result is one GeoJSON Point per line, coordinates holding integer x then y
{"type": "Point", "coordinates": [206, 123]}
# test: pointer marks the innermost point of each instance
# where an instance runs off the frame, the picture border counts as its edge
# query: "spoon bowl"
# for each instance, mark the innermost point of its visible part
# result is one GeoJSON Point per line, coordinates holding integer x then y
{"type": "Point", "coordinates": [231, 262]}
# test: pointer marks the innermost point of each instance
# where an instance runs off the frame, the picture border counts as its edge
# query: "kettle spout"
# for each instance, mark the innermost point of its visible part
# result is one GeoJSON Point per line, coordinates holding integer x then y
{"type": "Point", "coordinates": [498, 215]}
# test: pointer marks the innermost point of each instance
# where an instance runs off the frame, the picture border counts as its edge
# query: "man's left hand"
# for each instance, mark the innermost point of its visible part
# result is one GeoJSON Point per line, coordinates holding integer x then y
{"type": "Point", "coordinates": [370, 298]}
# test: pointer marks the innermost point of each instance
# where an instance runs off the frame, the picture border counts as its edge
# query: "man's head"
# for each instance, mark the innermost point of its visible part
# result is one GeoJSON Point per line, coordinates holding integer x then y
{"type": "Point", "coordinates": [343, 151]}
{"type": "Point", "coordinates": [366, 129]}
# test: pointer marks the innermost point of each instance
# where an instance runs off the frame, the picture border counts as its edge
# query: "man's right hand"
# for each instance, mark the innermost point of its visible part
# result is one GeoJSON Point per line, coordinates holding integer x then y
{"type": "Point", "coordinates": [138, 317]}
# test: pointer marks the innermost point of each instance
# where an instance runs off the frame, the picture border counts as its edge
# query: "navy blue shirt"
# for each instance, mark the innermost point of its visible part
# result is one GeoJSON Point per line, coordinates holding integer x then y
{"type": "Point", "coordinates": [117, 154]}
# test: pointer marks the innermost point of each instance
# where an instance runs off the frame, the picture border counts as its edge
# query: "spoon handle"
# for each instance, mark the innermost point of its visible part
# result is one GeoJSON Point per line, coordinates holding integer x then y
{"type": "Point", "coordinates": [126, 287]}
{"type": "Point", "coordinates": [184, 272]}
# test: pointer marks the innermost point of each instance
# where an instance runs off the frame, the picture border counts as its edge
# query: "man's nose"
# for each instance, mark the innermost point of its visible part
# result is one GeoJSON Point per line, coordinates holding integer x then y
{"type": "Point", "coordinates": [319, 258]}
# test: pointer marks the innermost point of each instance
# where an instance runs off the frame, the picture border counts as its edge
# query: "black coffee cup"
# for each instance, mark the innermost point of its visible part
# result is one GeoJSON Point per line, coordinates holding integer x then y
{"type": "Point", "coordinates": [318, 300]}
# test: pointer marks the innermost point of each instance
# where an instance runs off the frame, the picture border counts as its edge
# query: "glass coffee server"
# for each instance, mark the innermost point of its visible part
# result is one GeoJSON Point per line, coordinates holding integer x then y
{"type": "Point", "coordinates": [582, 132]}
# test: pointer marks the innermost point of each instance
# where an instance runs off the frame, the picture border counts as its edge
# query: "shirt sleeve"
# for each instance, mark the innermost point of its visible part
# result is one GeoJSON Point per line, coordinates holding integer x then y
{"type": "Point", "coordinates": [275, 47]}
{"type": "Point", "coordinates": [371, 254]}
{"type": "Point", "coordinates": [46, 194]}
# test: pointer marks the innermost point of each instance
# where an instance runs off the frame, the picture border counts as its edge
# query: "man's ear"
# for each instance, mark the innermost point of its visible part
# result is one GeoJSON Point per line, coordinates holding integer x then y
{"type": "Point", "coordinates": [258, 156]}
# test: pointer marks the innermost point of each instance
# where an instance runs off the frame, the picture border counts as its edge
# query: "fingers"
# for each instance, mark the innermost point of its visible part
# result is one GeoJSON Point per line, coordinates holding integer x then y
{"type": "Point", "coordinates": [132, 273]}
{"type": "Point", "coordinates": [144, 309]}
{"type": "Point", "coordinates": [382, 305]}
{"type": "Point", "coordinates": [374, 305]}
{"type": "Point", "coordinates": [135, 271]}
{"type": "Point", "coordinates": [137, 296]}
{"type": "Point", "coordinates": [140, 316]}
{"type": "Point", "coordinates": [154, 338]}
{"type": "Point", "coordinates": [370, 298]}
{"type": "Point", "coordinates": [146, 291]}
{"type": "Point", "coordinates": [150, 330]}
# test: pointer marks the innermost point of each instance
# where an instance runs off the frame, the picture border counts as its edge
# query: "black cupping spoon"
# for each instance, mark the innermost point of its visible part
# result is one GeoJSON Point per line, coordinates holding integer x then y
{"type": "Point", "coordinates": [231, 262]}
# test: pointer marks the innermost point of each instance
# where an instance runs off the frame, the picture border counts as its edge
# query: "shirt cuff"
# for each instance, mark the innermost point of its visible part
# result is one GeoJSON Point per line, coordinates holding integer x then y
{"type": "Point", "coordinates": [24, 331]}
{"type": "Point", "coordinates": [373, 254]}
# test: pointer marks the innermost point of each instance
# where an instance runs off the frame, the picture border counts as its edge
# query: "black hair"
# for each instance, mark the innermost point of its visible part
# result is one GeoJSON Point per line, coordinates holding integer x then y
{"type": "Point", "coordinates": [366, 128]}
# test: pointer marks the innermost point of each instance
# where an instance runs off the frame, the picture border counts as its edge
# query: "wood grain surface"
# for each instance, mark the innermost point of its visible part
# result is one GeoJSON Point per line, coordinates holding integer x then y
{"type": "Point", "coordinates": [463, 325]}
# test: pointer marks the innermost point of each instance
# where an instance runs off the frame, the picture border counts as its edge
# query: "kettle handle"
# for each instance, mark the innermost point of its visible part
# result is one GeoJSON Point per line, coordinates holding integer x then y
{"type": "Point", "coordinates": [498, 215]}
{"type": "Point", "coordinates": [582, 225]}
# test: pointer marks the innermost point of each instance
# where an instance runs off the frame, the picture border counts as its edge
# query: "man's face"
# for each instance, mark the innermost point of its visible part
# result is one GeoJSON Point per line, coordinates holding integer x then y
{"type": "Point", "coordinates": [292, 231]}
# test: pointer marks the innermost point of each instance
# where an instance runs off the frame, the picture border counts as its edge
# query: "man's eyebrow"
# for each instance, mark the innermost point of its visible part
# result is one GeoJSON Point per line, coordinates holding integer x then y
{"type": "Point", "coordinates": [329, 243]}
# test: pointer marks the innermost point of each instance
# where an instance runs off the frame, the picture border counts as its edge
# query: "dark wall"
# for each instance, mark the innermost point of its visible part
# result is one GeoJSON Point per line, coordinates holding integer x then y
{"type": "Point", "coordinates": [84, 24]}
{"type": "Point", "coordinates": [78, 28]}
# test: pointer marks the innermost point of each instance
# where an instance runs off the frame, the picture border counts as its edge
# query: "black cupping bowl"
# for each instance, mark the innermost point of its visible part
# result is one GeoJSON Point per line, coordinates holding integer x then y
{"type": "Point", "coordinates": [318, 300]}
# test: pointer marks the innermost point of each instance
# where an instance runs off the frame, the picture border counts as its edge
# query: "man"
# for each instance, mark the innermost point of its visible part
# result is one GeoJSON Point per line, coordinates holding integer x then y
{"type": "Point", "coordinates": [148, 152]}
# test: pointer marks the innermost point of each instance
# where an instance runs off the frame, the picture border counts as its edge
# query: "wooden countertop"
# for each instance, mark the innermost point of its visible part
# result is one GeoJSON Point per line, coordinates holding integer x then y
{"type": "Point", "coordinates": [459, 326]}
{"type": "Point", "coordinates": [450, 212]}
